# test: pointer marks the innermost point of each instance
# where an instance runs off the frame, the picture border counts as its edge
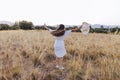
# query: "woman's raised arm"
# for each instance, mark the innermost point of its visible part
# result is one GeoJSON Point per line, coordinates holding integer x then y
{"type": "Point", "coordinates": [45, 26]}
{"type": "Point", "coordinates": [74, 30]}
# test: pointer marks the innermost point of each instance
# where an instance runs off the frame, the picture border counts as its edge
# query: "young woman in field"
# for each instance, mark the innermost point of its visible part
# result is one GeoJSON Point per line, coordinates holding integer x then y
{"type": "Point", "coordinates": [60, 34]}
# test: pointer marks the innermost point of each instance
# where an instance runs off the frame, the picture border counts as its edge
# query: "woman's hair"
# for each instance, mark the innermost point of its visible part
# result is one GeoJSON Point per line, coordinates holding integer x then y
{"type": "Point", "coordinates": [59, 31]}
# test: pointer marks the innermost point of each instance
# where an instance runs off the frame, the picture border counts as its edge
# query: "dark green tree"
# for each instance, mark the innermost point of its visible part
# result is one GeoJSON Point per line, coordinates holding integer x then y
{"type": "Point", "coordinates": [15, 26]}
{"type": "Point", "coordinates": [4, 27]}
{"type": "Point", "coordinates": [26, 25]}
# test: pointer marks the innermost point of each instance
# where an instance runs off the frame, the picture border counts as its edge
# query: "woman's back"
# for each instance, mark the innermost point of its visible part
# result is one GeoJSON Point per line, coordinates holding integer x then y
{"type": "Point", "coordinates": [63, 36]}
{"type": "Point", "coordinates": [59, 41]}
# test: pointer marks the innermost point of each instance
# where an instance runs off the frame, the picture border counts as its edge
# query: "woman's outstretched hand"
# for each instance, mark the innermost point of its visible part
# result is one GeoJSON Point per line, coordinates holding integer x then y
{"type": "Point", "coordinates": [45, 26]}
{"type": "Point", "coordinates": [80, 27]}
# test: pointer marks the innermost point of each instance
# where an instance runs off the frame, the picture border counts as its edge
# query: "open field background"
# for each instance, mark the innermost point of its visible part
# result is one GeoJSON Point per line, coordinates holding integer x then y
{"type": "Point", "coordinates": [29, 55]}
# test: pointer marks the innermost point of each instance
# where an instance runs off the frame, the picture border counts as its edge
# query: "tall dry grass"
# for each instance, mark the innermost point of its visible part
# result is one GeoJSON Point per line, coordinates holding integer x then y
{"type": "Point", "coordinates": [29, 55]}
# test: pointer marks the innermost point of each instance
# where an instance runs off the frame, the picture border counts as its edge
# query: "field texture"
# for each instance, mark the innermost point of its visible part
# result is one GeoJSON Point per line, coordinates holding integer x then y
{"type": "Point", "coordinates": [29, 55]}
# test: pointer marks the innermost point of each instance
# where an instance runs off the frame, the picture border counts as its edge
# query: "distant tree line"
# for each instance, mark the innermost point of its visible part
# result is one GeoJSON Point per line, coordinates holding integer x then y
{"type": "Point", "coordinates": [25, 25]}
{"type": "Point", "coordinates": [115, 30]}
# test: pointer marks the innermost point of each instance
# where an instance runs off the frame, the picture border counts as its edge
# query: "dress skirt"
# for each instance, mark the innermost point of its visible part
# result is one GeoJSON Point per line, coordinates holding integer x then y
{"type": "Point", "coordinates": [59, 48]}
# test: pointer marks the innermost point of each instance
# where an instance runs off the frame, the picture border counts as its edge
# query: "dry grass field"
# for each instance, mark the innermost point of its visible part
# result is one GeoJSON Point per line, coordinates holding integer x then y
{"type": "Point", "coordinates": [29, 55]}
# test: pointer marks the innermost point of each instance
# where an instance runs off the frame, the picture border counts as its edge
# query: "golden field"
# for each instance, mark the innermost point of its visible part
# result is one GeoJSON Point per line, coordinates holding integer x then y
{"type": "Point", "coordinates": [29, 55]}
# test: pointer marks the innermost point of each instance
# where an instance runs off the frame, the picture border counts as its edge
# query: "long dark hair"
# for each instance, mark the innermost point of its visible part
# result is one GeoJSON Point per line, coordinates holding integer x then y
{"type": "Point", "coordinates": [59, 31]}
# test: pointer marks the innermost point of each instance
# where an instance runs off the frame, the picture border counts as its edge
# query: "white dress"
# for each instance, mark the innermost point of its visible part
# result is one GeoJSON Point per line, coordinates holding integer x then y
{"type": "Point", "coordinates": [59, 46]}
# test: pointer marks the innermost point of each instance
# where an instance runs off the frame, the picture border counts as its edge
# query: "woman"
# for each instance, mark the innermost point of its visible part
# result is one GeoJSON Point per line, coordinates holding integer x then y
{"type": "Point", "coordinates": [60, 34]}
